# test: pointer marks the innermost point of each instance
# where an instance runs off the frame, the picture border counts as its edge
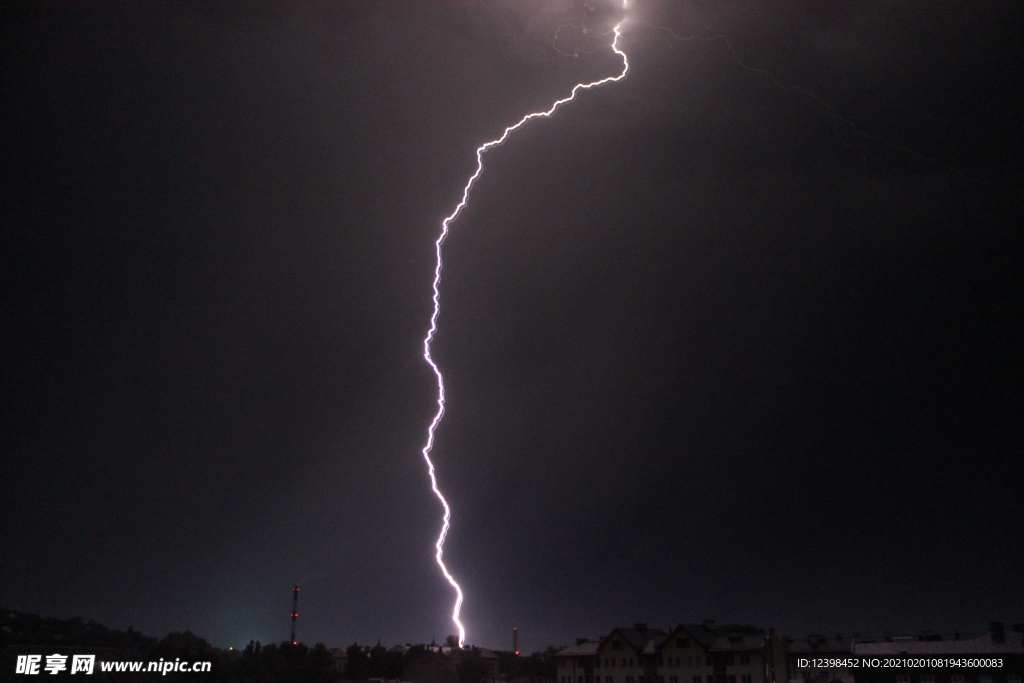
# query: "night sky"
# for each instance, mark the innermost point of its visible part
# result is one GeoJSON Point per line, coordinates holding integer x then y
{"type": "Point", "coordinates": [713, 347]}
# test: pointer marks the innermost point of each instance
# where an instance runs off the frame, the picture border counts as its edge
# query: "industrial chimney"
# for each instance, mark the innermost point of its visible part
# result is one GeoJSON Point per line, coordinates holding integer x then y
{"type": "Point", "coordinates": [295, 610]}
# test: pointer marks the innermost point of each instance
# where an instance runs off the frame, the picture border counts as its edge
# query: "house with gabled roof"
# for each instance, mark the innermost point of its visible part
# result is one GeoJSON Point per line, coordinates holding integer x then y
{"type": "Point", "coordinates": [575, 664]}
{"type": "Point", "coordinates": [629, 655]}
{"type": "Point", "coordinates": [682, 658]}
{"type": "Point", "coordinates": [690, 653]}
{"type": "Point", "coordinates": [733, 653]}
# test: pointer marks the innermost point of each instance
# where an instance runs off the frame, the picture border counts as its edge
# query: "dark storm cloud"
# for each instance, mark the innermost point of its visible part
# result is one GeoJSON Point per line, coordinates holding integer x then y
{"type": "Point", "coordinates": [707, 352]}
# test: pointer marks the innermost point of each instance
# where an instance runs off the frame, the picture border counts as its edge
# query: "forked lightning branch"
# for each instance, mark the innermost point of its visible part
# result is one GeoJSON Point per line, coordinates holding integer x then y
{"type": "Point", "coordinates": [445, 227]}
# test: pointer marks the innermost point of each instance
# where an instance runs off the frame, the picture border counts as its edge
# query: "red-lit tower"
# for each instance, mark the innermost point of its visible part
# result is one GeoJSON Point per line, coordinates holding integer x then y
{"type": "Point", "coordinates": [515, 640]}
{"type": "Point", "coordinates": [295, 610]}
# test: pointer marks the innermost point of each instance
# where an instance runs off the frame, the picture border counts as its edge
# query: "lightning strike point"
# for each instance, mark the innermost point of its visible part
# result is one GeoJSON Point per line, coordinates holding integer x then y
{"type": "Point", "coordinates": [445, 227]}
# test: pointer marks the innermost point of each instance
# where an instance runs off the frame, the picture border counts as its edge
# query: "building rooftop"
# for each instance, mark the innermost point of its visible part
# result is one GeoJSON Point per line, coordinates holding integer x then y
{"type": "Point", "coordinates": [643, 639]}
{"type": "Point", "coordinates": [913, 645]}
{"type": "Point", "coordinates": [582, 648]}
{"type": "Point", "coordinates": [814, 644]}
{"type": "Point", "coordinates": [726, 637]}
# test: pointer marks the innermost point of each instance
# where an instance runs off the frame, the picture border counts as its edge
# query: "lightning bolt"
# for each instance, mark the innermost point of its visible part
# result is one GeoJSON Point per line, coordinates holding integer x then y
{"type": "Point", "coordinates": [445, 227]}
